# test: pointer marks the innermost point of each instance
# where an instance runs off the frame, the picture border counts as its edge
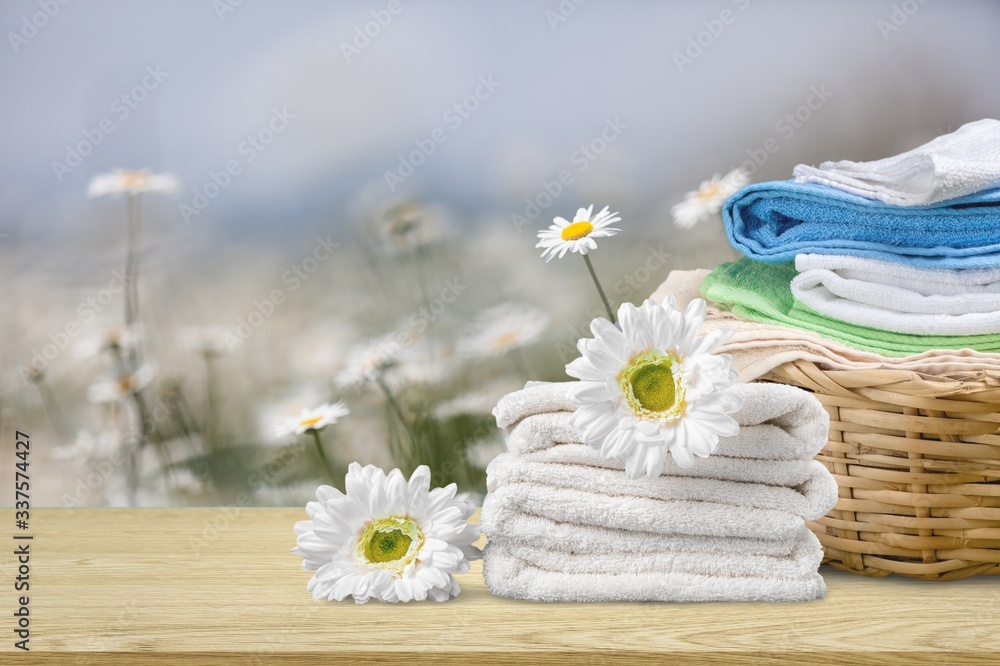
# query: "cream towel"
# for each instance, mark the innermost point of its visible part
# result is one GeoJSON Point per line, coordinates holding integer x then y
{"type": "Point", "coordinates": [964, 162]}
{"type": "Point", "coordinates": [759, 348]}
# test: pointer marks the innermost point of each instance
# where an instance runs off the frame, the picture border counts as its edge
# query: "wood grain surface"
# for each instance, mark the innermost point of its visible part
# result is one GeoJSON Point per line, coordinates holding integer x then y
{"type": "Point", "coordinates": [214, 586]}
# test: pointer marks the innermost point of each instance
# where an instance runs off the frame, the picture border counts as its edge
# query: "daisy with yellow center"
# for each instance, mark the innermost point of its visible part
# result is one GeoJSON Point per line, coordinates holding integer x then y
{"type": "Point", "coordinates": [312, 422]}
{"type": "Point", "coordinates": [706, 202]}
{"type": "Point", "coordinates": [386, 538]}
{"type": "Point", "coordinates": [653, 387]}
{"type": "Point", "coordinates": [503, 328]}
{"type": "Point", "coordinates": [578, 236]}
{"type": "Point", "coordinates": [131, 181]}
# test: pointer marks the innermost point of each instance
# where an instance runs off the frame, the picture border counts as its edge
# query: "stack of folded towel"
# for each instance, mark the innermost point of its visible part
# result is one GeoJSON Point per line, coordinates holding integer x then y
{"type": "Point", "coordinates": [565, 525]}
{"type": "Point", "coordinates": [897, 260]}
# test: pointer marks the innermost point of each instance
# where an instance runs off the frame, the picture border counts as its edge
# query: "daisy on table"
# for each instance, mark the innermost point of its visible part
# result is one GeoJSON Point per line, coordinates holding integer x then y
{"type": "Point", "coordinates": [386, 538]}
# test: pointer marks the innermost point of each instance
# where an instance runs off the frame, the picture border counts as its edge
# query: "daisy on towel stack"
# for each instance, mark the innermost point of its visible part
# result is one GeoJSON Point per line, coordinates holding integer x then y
{"type": "Point", "coordinates": [720, 513]}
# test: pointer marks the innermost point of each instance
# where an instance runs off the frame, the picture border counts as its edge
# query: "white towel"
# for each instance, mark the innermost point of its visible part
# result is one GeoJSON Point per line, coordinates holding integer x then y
{"type": "Point", "coordinates": [981, 284]}
{"type": "Point", "coordinates": [809, 499]}
{"type": "Point", "coordinates": [792, 423]}
{"type": "Point", "coordinates": [820, 292]}
{"type": "Point", "coordinates": [953, 165]}
{"type": "Point", "coordinates": [512, 577]}
{"type": "Point", "coordinates": [542, 532]}
{"type": "Point", "coordinates": [665, 518]}
{"type": "Point", "coordinates": [803, 557]}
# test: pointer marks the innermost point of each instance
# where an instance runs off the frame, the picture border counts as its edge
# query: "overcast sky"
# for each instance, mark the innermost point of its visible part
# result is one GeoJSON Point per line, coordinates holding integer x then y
{"type": "Point", "coordinates": [887, 80]}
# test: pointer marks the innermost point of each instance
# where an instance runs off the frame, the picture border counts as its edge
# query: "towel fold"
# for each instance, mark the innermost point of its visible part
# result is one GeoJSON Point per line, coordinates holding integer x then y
{"type": "Point", "coordinates": [807, 490]}
{"type": "Point", "coordinates": [762, 292]}
{"type": "Point", "coordinates": [775, 221]}
{"type": "Point", "coordinates": [894, 309]}
{"type": "Point", "coordinates": [758, 348]}
{"type": "Point", "coordinates": [803, 557]}
{"type": "Point", "coordinates": [788, 423]}
{"type": "Point", "coordinates": [542, 532]}
{"type": "Point", "coordinates": [666, 518]}
{"type": "Point", "coordinates": [512, 577]}
{"type": "Point", "coordinates": [973, 289]}
{"type": "Point", "coordinates": [953, 165]}
{"type": "Point", "coordinates": [787, 473]}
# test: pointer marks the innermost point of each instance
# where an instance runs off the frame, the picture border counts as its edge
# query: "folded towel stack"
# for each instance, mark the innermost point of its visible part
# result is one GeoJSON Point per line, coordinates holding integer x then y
{"type": "Point", "coordinates": [895, 259]}
{"type": "Point", "coordinates": [563, 524]}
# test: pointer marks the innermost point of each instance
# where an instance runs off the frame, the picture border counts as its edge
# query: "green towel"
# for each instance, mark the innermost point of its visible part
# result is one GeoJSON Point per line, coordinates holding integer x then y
{"type": "Point", "coordinates": [761, 292]}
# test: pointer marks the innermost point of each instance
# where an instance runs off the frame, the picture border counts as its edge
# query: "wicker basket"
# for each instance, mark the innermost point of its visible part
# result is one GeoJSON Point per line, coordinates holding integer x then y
{"type": "Point", "coordinates": [917, 460]}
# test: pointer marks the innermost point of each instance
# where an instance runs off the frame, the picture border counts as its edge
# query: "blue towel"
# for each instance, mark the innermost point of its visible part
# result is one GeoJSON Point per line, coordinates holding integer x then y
{"type": "Point", "coordinates": [775, 221]}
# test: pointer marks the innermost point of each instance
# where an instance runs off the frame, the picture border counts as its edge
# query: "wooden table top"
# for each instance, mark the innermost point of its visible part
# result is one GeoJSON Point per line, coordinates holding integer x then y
{"type": "Point", "coordinates": [205, 586]}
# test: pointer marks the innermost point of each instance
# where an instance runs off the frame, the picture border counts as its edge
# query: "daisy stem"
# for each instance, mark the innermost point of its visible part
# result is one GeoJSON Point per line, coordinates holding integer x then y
{"type": "Point", "coordinates": [322, 456]}
{"type": "Point", "coordinates": [397, 410]}
{"type": "Point", "coordinates": [211, 402]}
{"type": "Point", "coordinates": [132, 267]}
{"type": "Point", "coordinates": [52, 408]}
{"type": "Point", "coordinates": [600, 290]}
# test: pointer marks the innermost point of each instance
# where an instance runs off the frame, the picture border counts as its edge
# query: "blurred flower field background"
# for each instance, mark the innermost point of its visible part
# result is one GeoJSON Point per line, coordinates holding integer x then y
{"type": "Point", "coordinates": [346, 221]}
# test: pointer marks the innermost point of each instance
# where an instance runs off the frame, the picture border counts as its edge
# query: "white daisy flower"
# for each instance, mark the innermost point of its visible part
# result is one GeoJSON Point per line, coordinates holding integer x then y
{"type": "Point", "coordinates": [706, 202]}
{"type": "Point", "coordinates": [87, 447]}
{"type": "Point", "coordinates": [367, 362]}
{"type": "Point", "coordinates": [502, 328]}
{"type": "Point", "coordinates": [653, 387]}
{"type": "Point", "coordinates": [386, 538]}
{"type": "Point", "coordinates": [578, 235]}
{"type": "Point", "coordinates": [406, 225]}
{"type": "Point", "coordinates": [316, 419]}
{"type": "Point", "coordinates": [119, 388]}
{"type": "Point", "coordinates": [184, 481]}
{"type": "Point", "coordinates": [131, 181]}
{"type": "Point", "coordinates": [123, 338]}
{"type": "Point", "coordinates": [476, 401]}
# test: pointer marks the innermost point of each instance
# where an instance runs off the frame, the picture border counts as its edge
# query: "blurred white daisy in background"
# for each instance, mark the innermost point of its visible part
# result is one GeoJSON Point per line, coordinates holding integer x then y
{"type": "Point", "coordinates": [272, 416]}
{"type": "Point", "coordinates": [367, 362]}
{"type": "Point", "coordinates": [476, 401]}
{"type": "Point", "coordinates": [654, 387]}
{"type": "Point", "coordinates": [132, 181]}
{"type": "Point", "coordinates": [313, 419]}
{"type": "Point", "coordinates": [404, 226]}
{"type": "Point", "coordinates": [577, 236]}
{"type": "Point", "coordinates": [482, 451]}
{"type": "Point", "coordinates": [706, 202]}
{"type": "Point", "coordinates": [86, 447]}
{"type": "Point", "coordinates": [386, 538]}
{"type": "Point", "coordinates": [184, 481]}
{"type": "Point", "coordinates": [210, 340]}
{"type": "Point", "coordinates": [427, 362]}
{"type": "Point", "coordinates": [503, 328]}
{"type": "Point", "coordinates": [116, 389]}
{"type": "Point", "coordinates": [121, 338]}
{"type": "Point", "coordinates": [318, 352]}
